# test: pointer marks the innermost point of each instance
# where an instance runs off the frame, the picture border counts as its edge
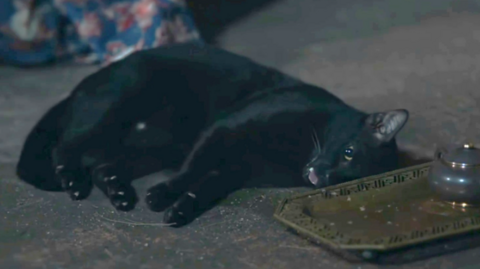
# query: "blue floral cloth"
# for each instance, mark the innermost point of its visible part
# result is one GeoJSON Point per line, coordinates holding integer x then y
{"type": "Point", "coordinates": [92, 31]}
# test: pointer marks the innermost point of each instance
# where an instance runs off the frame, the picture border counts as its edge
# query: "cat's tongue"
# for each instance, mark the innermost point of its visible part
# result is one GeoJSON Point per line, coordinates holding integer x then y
{"type": "Point", "coordinates": [312, 177]}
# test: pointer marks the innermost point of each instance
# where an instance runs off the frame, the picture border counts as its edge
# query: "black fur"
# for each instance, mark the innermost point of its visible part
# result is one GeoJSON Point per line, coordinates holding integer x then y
{"type": "Point", "coordinates": [222, 121]}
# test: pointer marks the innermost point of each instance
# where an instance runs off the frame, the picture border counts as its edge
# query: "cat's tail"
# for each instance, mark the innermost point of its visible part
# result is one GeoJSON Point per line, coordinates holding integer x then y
{"type": "Point", "coordinates": [35, 165]}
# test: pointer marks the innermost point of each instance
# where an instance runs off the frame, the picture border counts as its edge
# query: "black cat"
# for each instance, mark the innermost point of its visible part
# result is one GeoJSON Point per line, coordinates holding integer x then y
{"type": "Point", "coordinates": [222, 121]}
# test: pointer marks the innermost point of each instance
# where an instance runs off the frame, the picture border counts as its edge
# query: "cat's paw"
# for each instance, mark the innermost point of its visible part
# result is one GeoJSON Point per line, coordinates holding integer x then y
{"type": "Point", "coordinates": [123, 197]}
{"type": "Point", "coordinates": [160, 197]}
{"type": "Point", "coordinates": [182, 212]}
{"type": "Point", "coordinates": [74, 183]}
{"type": "Point", "coordinates": [174, 218]}
{"type": "Point", "coordinates": [110, 179]}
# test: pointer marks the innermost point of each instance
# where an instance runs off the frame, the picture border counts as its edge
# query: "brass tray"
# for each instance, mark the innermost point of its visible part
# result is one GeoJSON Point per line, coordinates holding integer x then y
{"type": "Point", "coordinates": [378, 213]}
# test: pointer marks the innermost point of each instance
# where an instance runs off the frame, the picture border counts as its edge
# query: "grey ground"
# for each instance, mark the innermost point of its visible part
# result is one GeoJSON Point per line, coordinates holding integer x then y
{"type": "Point", "coordinates": [420, 55]}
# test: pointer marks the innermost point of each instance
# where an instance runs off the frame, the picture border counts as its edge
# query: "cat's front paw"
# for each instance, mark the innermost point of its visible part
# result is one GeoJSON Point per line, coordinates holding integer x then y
{"type": "Point", "coordinates": [74, 183]}
{"type": "Point", "coordinates": [182, 212]}
{"type": "Point", "coordinates": [160, 197]}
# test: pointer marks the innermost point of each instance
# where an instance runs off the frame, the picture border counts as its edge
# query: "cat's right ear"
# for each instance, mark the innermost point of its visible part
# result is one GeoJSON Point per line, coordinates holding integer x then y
{"type": "Point", "coordinates": [383, 126]}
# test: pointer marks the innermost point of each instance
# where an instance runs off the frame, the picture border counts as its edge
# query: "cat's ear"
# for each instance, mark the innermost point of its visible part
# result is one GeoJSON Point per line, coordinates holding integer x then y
{"type": "Point", "coordinates": [383, 126]}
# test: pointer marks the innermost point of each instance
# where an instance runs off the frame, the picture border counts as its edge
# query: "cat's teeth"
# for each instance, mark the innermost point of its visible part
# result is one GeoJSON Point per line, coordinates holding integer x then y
{"type": "Point", "coordinates": [76, 193]}
{"type": "Point", "coordinates": [121, 193]}
{"type": "Point", "coordinates": [124, 203]}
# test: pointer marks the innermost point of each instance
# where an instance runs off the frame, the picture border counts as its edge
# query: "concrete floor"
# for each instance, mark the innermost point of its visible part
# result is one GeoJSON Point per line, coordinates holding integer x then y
{"type": "Point", "coordinates": [420, 55]}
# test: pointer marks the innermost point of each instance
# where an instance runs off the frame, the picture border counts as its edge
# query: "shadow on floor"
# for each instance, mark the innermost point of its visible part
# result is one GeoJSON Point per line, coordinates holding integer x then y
{"type": "Point", "coordinates": [405, 256]}
{"type": "Point", "coordinates": [407, 159]}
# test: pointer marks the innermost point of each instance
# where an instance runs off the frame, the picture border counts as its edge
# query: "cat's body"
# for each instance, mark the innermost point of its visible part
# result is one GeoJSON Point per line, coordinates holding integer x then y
{"type": "Point", "coordinates": [222, 121]}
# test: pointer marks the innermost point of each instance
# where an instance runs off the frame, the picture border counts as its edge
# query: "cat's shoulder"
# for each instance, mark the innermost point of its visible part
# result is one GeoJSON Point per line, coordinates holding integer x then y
{"type": "Point", "coordinates": [262, 106]}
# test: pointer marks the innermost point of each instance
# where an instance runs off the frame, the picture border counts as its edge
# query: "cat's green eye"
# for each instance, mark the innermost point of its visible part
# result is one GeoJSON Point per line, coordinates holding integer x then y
{"type": "Point", "coordinates": [348, 153]}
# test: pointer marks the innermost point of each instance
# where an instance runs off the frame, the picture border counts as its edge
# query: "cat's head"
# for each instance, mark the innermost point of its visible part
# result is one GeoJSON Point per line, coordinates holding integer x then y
{"type": "Point", "coordinates": [353, 146]}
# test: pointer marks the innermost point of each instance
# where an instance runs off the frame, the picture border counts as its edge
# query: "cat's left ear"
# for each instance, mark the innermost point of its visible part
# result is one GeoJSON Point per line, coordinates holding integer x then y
{"type": "Point", "coordinates": [384, 126]}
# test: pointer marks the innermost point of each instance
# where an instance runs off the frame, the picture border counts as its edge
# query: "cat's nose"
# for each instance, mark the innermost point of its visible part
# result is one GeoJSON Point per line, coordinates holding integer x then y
{"type": "Point", "coordinates": [324, 180]}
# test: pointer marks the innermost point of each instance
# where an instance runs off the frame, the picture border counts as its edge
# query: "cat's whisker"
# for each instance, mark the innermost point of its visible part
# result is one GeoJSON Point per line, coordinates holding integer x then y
{"type": "Point", "coordinates": [319, 148]}
{"type": "Point", "coordinates": [315, 143]}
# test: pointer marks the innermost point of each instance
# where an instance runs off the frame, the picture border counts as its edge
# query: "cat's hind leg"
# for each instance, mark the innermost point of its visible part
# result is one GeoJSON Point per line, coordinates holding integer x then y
{"type": "Point", "coordinates": [35, 166]}
{"type": "Point", "coordinates": [114, 180]}
{"type": "Point", "coordinates": [69, 172]}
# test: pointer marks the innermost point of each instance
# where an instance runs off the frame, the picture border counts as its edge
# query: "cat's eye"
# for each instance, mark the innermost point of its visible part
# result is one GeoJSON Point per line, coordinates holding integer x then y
{"type": "Point", "coordinates": [348, 153]}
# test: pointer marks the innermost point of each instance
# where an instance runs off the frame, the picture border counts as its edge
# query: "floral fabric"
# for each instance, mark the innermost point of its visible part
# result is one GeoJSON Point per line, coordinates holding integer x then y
{"type": "Point", "coordinates": [93, 31]}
